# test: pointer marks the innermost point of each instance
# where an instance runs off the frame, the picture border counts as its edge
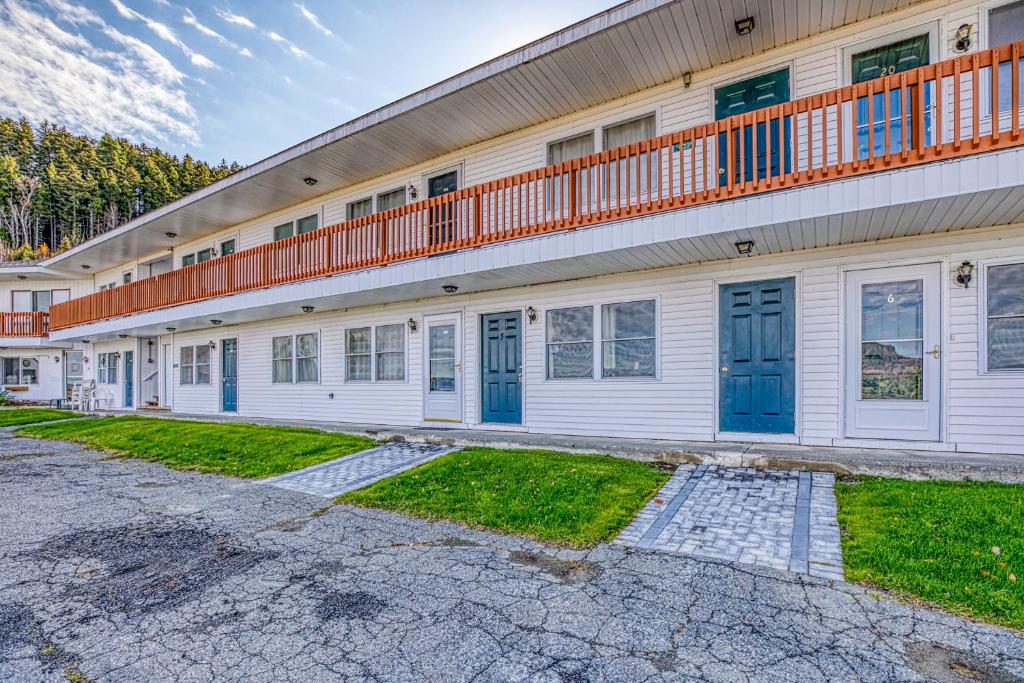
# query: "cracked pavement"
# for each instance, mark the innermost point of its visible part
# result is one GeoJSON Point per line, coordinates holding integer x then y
{"type": "Point", "coordinates": [126, 571]}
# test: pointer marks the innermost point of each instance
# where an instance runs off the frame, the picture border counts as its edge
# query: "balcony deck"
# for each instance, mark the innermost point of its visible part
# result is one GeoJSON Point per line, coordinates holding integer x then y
{"type": "Point", "coordinates": [23, 324]}
{"type": "Point", "coordinates": [938, 112]}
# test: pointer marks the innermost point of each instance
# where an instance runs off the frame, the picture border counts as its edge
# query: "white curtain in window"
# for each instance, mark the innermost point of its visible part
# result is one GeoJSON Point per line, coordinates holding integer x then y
{"type": "Point", "coordinates": [186, 367]}
{"type": "Point", "coordinates": [357, 355]}
{"type": "Point", "coordinates": [202, 365]}
{"type": "Point", "coordinates": [571, 148]}
{"type": "Point", "coordinates": [629, 132]}
{"type": "Point", "coordinates": [390, 349]}
{"type": "Point", "coordinates": [307, 361]}
{"type": "Point", "coordinates": [282, 362]}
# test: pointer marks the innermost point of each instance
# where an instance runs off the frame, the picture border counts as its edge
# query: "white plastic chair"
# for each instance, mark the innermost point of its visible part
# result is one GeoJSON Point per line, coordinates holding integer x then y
{"type": "Point", "coordinates": [75, 400]}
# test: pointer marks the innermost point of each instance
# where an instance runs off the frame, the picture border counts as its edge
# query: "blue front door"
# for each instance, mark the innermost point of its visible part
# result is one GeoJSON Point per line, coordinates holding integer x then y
{"type": "Point", "coordinates": [750, 95]}
{"type": "Point", "coordinates": [757, 368]}
{"type": "Point", "coordinates": [229, 375]}
{"type": "Point", "coordinates": [501, 365]}
{"type": "Point", "coordinates": [129, 379]}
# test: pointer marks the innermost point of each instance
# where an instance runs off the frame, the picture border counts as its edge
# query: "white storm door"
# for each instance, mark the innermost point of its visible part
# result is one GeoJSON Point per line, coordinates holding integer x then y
{"type": "Point", "coordinates": [893, 353]}
{"type": "Point", "coordinates": [442, 368]}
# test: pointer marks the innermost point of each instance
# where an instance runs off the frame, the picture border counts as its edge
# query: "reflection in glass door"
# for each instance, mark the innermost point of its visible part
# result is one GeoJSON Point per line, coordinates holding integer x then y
{"type": "Point", "coordinates": [443, 368]}
{"type": "Point", "coordinates": [72, 370]}
{"type": "Point", "coordinates": [893, 353]}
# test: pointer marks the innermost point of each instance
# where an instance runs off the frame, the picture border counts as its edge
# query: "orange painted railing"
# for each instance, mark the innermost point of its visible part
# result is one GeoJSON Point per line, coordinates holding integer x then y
{"type": "Point", "coordinates": [18, 324]}
{"type": "Point", "coordinates": [936, 112]}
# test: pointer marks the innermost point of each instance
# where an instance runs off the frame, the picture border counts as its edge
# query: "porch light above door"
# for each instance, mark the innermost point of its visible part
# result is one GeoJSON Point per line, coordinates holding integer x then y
{"type": "Point", "coordinates": [745, 247]}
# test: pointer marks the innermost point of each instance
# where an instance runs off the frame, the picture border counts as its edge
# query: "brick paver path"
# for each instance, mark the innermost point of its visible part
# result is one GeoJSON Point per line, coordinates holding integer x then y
{"type": "Point", "coordinates": [353, 472]}
{"type": "Point", "coordinates": [784, 520]}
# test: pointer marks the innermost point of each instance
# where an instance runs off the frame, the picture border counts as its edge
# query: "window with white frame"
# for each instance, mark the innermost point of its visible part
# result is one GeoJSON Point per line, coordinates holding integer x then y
{"type": "Point", "coordinates": [296, 358]}
{"type": "Point", "coordinates": [391, 199]}
{"type": "Point", "coordinates": [194, 365]}
{"type": "Point", "coordinates": [106, 368]}
{"type": "Point", "coordinates": [628, 339]}
{"type": "Point", "coordinates": [571, 148]}
{"type": "Point", "coordinates": [389, 348]}
{"type": "Point", "coordinates": [628, 132]}
{"type": "Point", "coordinates": [1004, 317]}
{"type": "Point", "coordinates": [375, 353]}
{"type": "Point", "coordinates": [21, 370]}
{"type": "Point", "coordinates": [296, 227]}
{"type": "Point", "coordinates": [359, 208]}
{"type": "Point", "coordinates": [40, 300]}
{"type": "Point", "coordinates": [570, 343]}
{"type": "Point", "coordinates": [282, 359]}
{"type": "Point", "coordinates": [307, 358]}
{"type": "Point", "coordinates": [357, 355]}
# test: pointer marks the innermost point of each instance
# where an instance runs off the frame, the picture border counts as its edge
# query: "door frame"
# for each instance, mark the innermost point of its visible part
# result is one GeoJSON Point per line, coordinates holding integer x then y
{"type": "Point", "coordinates": [756, 276]}
{"type": "Point", "coordinates": [220, 370]}
{"type": "Point", "coordinates": [167, 373]}
{"type": "Point", "coordinates": [943, 293]}
{"type": "Point", "coordinates": [460, 385]}
{"type": "Point", "coordinates": [523, 322]}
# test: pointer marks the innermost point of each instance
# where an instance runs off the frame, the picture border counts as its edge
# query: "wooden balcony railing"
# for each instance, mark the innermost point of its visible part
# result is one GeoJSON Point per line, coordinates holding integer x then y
{"type": "Point", "coordinates": [942, 111]}
{"type": "Point", "coordinates": [19, 324]}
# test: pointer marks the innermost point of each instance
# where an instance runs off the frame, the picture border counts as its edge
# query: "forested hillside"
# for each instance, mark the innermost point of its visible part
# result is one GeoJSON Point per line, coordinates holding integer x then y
{"type": "Point", "coordinates": [58, 189]}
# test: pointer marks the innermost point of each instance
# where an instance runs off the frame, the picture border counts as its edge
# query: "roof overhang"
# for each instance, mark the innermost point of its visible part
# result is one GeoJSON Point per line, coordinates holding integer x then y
{"type": "Point", "coordinates": [633, 46]}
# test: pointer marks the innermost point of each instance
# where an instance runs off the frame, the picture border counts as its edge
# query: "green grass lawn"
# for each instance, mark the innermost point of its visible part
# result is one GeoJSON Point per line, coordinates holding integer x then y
{"type": "Point", "coordinates": [576, 500]}
{"type": "Point", "coordinates": [238, 450]}
{"type": "Point", "coordinates": [959, 545]}
{"type": "Point", "coordinates": [10, 417]}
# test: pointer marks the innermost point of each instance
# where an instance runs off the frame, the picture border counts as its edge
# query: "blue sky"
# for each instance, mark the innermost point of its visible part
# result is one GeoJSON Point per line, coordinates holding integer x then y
{"type": "Point", "coordinates": [238, 79]}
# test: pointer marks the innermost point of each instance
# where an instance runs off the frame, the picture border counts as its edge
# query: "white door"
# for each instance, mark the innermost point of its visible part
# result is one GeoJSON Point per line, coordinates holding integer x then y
{"type": "Point", "coordinates": [893, 353]}
{"type": "Point", "coordinates": [166, 377]}
{"type": "Point", "coordinates": [442, 368]}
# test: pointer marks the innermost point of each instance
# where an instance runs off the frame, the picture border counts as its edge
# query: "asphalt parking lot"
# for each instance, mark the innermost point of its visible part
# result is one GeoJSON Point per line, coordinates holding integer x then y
{"type": "Point", "coordinates": [125, 571]}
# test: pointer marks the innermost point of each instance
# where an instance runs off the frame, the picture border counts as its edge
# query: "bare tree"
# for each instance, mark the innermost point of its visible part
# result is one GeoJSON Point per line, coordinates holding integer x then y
{"type": "Point", "coordinates": [16, 217]}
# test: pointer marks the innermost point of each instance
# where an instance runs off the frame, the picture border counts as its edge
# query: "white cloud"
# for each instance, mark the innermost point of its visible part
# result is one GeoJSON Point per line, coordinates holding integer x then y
{"type": "Point", "coordinates": [273, 36]}
{"type": "Point", "coordinates": [48, 71]}
{"type": "Point", "coordinates": [191, 20]}
{"type": "Point", "coordinates": [232, 18]}
{"type": "Point", "coordinates": [165, 33]}
{"type": "Point", "coordinates": [313, 19]}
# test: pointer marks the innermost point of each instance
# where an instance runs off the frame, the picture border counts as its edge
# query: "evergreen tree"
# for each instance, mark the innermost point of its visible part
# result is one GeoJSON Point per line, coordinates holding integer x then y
{"type": "Point", "coordinates": [75, 187]}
